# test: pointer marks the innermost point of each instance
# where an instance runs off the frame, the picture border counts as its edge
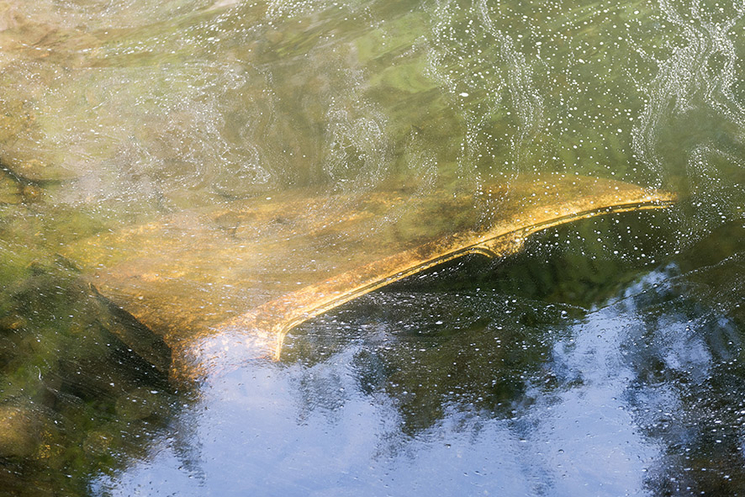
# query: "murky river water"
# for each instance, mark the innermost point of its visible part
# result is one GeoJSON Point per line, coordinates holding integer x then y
{"type": "Point", "coordinates": [151, 151]}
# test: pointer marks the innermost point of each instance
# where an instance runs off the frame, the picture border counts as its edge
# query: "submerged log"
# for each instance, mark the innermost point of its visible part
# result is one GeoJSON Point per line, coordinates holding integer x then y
{"type": "Point", "coordinates": [234, 280]}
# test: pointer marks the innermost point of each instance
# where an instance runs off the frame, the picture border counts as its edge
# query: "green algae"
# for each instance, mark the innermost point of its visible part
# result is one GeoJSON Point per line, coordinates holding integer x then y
{"type": "Point", "coordinates": [69, 380]}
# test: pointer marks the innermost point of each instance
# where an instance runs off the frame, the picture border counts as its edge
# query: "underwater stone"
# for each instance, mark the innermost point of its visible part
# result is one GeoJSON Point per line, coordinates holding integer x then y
{"type": "Point", "coordinates": [19, 432]}
{"type": "Point", "coordinates": [203, 276]}
{"type": "Point", "coordinates": [14, 119]}
{"type": "Point", "coordinates": [8, 16]}
{"type": "Point", "coordinates": [10, 191]}
{"type": "Point", "coordinates": [139, 403]}
{"type": "Point", "coordinates": [40, 171]}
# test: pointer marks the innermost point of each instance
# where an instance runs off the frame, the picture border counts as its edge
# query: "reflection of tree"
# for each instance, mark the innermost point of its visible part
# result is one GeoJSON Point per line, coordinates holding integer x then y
{"type": "Point", "coordinates": [480, 360]}
{"type": "Point", "coordinates": [474, 335]}
{"type": "Point", "coordinates": [503, 347]}
{"type": "Point", "coordinates": [687, 354]}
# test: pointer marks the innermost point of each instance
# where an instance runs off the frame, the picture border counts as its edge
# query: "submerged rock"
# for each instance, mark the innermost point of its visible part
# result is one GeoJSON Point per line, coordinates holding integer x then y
{"type": "Point", "coordinates": [10, 190]}
{"type": "Point", "coordinates": [40, 171]}
{"type": "Point", "coordinates": [9, 17]}
{"type": "Point", "coordinates": [253, 269]}
{"type": "Point", "coordinates": [14, 119]}
{"type": "Point", "coordinates": [19, 432]}
{"type": "Point", "coordinates": [140, 403]}
{"type": "Point", "coordinates": [77, 396]}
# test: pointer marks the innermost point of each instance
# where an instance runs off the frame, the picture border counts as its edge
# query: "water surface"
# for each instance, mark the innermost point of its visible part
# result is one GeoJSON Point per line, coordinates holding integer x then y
{"type": "Point", "coordinates": [604, 359]}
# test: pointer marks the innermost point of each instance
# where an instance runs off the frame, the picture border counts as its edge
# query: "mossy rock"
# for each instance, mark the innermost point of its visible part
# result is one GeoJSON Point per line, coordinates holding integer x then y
{"type": "Point", "coordinates": [73, 385]}
{"type": "Point", "coordinates": [20, 433]}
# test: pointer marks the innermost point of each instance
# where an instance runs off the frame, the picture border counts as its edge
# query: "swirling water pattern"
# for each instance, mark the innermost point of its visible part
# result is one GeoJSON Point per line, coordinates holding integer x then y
{"type": "Point", "coordinates": [604, 360]}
